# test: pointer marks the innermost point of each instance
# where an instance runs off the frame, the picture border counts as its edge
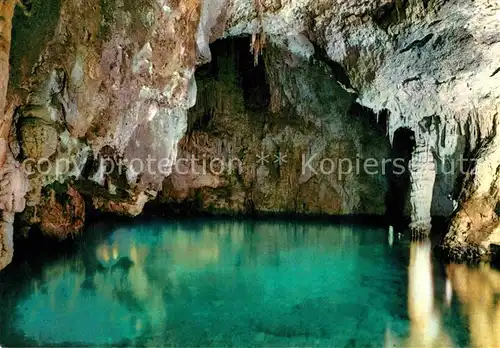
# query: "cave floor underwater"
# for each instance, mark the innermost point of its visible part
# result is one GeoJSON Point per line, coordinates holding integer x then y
{"type": "Point", "coordinates": [223, 282]}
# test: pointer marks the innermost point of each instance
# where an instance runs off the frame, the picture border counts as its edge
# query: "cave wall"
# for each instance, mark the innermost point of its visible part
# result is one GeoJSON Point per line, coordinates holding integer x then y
{"type": "Point", "coordinates": [248, 116]}
{"type": "Point", "coordinates": [104, 80]}
{"type": "Point", "coordinates": [96, 88]}
{"type": "Point", "coordinates": [433, 65]}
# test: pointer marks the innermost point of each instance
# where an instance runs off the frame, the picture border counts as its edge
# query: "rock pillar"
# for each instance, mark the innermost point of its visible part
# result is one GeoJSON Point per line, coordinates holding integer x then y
{"type": "Point", "coordinates": [422, 177]}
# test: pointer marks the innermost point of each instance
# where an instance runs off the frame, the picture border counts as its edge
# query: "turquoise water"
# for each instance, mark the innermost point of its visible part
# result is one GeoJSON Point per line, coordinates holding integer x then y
{"type": "Point", "coordinates": [242, 283]}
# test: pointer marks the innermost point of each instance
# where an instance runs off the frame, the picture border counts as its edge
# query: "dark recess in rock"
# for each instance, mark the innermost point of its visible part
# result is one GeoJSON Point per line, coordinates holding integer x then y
{"type": "Point", "coordinates": [399, 177]}
{"type": "Point", "coordinates": [383, 118]}
{"type": "Point", "coordinates": [252, 78]}
{"type": "Point", "coordinates": [41, 21]}
{"type": "Point", "coordinates": [232, 62]}
{"type": "Point", "coordinates": [389, 14]}
{"type": "Point", "coordinates": [309, 114]}
{"type": "Point", "coordinates": [380, 120]}
{"type": "Point", "coordinates": [427, 122]}
{"type": "Point", "coordinates": [337, 70]}
{"type": "Point", "coordinates": [418, 43]}
{"type": "Point", "coordinates": [410, 79]}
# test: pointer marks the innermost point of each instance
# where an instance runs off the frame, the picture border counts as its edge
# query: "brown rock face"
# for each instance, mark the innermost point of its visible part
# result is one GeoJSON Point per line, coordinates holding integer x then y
{"type": "Point", "coordinates": [62, 215]}
{"type": "Point", "coordinates": [38, 140]}
{"type": "Point", "coordinates": [127, 207]}
{"type": "Point", "coordinates": [277, 139]}
{"type": "Point", "coordinates": [476, 224]}
{"type": "Point", "coordinates": [110, 75]}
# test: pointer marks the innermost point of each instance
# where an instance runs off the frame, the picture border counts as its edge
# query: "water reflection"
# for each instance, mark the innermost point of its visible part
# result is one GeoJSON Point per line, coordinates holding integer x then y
{"type": "Point", "coordinates": [478, 290]}
{"type": "Point", "coordinates": [214, 283]}
{"type": "Point", "coordinates": [152, 284]}
{"type": "Point", "coordinates": [426, 325]}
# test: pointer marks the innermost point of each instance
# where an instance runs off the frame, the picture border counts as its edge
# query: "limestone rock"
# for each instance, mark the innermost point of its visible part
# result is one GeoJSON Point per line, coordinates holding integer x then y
{"type": "Point", "coordinates": [417, 60]}
{"type": "Point", "coordinates": [126, 207]}
{"type": "Point", "coordinates": [476, 223]}
{"type": "Point", "coordinates": [6, 239]}
{"type": "Point", "coordinates": [240, 157]}
{"type": "Point", "coordinates": [38, 139]}
{"type": "Point", "coordinates": [62, 215]}
{"type": "Point", "coordinates": [108, 74]}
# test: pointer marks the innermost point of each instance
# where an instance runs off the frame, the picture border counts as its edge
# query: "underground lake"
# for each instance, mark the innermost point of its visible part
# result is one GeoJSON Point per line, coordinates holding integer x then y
{"type": "Point", "coordinates": [226, 282]}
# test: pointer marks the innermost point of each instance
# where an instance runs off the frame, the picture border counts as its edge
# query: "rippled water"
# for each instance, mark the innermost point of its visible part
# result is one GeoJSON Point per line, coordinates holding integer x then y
{"type": "Point", "coordinates": [231, 283]}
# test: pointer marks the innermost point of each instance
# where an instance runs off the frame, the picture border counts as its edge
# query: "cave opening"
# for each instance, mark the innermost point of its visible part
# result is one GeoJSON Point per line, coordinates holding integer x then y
{"type": "Point", "coordinates": [231, 72]}
{"type": "Point", "coordinates": [252, 78]}
{"type": "Point", "coordinates": [378, 120]}
{"type": "Point", "coordinates": [398, 194]}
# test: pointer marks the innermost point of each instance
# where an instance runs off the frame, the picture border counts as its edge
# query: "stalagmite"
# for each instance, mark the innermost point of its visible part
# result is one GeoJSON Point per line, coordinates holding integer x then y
{"type": "Point", "coordinates": [423, 174]}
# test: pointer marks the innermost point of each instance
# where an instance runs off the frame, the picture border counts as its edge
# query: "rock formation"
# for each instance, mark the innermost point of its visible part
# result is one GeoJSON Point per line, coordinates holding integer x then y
{"type": "Point", "coordinates": [13, 183]}
{"type": "Point", "coordinates": [108, 84]}
{"type": "Point", "coordinates": [476, 225]}
{"type": "Point", "coordinates": [432, 66]}
{"type": "Point", "coordinates": [282, 137]}
{"type": "Point", "coordinates": [105, 93]}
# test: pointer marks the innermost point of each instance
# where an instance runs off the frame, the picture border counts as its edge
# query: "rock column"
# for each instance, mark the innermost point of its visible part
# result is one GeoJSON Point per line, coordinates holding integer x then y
{"type": "Point", "coordinates": [422, 175]}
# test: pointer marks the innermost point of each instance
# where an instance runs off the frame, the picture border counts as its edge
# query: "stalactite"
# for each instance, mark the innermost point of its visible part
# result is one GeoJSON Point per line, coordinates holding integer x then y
{"type": "Point", "coordinates": [258, 38]}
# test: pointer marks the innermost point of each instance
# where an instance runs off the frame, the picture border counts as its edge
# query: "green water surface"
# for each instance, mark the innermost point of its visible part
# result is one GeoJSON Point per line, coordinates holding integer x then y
{"type": "Point", "coordinates": [245, 283]}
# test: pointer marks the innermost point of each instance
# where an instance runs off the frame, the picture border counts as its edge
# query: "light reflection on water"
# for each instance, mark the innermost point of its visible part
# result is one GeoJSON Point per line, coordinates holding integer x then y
{"type": "Point", "coordinates": [219, 283]}
{"type": "Point", "coordinates": [478, 290]}
{"type": "Point", "coordinates": [426, 325]}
